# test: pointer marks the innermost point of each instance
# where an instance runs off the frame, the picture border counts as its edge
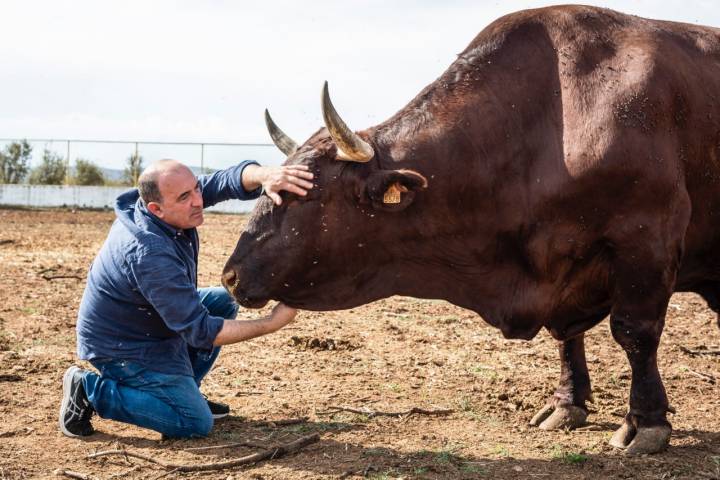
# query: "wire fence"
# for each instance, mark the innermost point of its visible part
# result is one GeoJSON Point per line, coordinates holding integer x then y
{"type": "Point", "coordinates": [112, 155]}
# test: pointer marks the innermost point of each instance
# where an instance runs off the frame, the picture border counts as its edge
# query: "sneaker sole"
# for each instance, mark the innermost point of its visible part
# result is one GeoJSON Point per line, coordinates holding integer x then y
{"type": "Point", "coordinates": [67, 383]}
{"type": "Point", "coordinates": [217, 416]}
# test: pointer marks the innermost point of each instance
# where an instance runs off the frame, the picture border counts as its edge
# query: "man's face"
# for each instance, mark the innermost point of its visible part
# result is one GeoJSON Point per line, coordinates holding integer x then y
{"type": "Point", "coordinates": [182, 203]}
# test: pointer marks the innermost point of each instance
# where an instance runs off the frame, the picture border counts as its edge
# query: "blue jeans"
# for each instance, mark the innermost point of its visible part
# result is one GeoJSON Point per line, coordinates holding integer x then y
{"type": "Point", "coordinates": [170, 404]}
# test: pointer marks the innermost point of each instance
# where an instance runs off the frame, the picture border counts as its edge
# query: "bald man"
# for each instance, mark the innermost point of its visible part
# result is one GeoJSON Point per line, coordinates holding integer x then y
{"type": "Point", "coordinates": [143, 324]}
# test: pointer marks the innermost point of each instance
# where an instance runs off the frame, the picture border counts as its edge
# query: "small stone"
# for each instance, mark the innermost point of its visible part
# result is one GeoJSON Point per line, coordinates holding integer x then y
{"type": "Point", "coordinates": [503, 396]}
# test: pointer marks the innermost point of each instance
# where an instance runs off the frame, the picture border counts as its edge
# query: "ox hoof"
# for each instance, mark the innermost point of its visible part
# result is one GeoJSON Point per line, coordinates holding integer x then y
{"type": "Point", "coordinates": [560, 417]}
{"type": "Point", "coordinates": [642, 440]}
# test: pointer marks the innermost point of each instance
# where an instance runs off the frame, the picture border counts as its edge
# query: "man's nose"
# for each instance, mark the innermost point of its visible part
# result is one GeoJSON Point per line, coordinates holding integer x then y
{"type": "Point", "coordinates": [197, 199]}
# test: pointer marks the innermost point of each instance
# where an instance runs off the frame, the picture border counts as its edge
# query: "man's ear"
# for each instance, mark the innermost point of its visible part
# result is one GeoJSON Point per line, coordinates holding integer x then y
{"type": "Point", "coordinates": [155, 209]}
{"type": "Point", "coordinates": [393, 190]}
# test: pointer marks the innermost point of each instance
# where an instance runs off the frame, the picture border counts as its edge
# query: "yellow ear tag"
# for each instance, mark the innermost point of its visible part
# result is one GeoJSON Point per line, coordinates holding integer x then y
{"type": "Point", "coordinates": [393, 193]}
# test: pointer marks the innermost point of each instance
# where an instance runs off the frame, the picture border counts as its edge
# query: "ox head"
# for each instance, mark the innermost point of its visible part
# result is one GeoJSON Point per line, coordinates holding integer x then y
{"type": "Point", "coordinates": [334, 247]}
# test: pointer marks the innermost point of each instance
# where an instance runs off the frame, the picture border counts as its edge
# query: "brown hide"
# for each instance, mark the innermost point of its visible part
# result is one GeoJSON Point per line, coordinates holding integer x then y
{"type": "Point", "coordinates": [571, 156]}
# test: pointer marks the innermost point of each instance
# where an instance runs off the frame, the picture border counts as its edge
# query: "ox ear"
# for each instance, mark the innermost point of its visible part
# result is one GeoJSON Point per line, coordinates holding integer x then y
{"type": "Point", "coordinates": [393, 190]}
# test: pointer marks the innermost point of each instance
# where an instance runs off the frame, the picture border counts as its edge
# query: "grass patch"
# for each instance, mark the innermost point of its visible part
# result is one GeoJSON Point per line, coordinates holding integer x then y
{"type": "Point", "coordinates": [384, 475]}
{"type": "Point", "coordinates": [448, 455]}
{"type": "Point", "coordinates": [501, 450]}
{"type": "Point", "coordinates": [569, 458]}
{"type": "Point", "coordinates": [5, 341]}
{"type": "Point", "coordinates": [319, 427]}
{"type": "Point", "coordinates": [473, 469]}
{"type": "Point", "coordinates": [484, 371]}
{"type": "Point", "coordinates": [393, 387]}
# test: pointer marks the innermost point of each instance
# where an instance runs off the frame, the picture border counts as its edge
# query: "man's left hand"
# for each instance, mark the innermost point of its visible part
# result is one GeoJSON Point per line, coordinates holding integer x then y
{"type": "Point", "coordinates": [291, 178]}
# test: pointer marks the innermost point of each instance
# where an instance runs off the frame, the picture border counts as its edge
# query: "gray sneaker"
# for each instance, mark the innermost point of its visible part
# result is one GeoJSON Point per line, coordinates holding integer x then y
{"type": "Point", "coordinates": [75, 408]}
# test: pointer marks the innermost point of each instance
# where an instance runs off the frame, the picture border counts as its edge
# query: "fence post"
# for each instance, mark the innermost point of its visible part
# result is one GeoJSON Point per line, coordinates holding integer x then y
{"type": "Point", "coordinates": [135, 173]}
{"type": "Point", "coordinates": [202, 159]}
{"type": "Point", "coordinates": [67, 165]}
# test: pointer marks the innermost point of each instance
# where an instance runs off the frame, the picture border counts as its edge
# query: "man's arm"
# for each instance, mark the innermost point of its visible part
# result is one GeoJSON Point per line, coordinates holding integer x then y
{"type": "Point", "coordinates": [291, 178]}
{"type": "Point", "coordinates": [234, 331]}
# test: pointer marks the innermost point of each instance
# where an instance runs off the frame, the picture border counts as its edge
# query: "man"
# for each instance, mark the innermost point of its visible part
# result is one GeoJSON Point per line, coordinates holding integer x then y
{"type": "Point", "coordinates": [142, 322]}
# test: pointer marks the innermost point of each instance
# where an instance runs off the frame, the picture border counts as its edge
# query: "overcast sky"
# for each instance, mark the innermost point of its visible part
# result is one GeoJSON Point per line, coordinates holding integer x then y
{"type": "Point", "coordinates": [205, 70]}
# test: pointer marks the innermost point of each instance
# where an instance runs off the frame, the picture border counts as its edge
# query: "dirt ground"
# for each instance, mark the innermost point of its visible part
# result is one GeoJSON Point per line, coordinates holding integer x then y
{"type": "Point", "coordinates": [389, 356]}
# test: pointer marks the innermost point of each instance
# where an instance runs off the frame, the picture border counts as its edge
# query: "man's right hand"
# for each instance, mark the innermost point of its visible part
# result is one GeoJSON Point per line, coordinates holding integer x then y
{"type": "Point", "coordinates": [235, 331]}
{"type": "Point", "coordinates": [282, 315]}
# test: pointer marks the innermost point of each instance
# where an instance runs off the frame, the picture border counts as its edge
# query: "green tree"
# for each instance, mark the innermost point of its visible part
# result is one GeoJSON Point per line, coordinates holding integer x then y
{"type": "Point", "coordinates": [51, 171]}
{"type": "Point", "coordinates": [14, 162]}
{"type": "Point", "coordinates": [87, 173]}
{"type": "Point", "coordinates": [133, 169]}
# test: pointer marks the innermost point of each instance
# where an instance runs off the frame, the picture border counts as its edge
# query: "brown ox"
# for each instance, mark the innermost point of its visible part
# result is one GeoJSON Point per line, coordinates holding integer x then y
{"type": "Point", "coordinates": [564, 168]}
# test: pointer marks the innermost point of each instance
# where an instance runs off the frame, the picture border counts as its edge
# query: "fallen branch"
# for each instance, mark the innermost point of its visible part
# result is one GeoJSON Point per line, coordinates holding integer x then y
{"type": "Point", "coordinates": [372, 413]}
{"type": "Point", "coordinates": [698, 352]}
{"type": "Point", "coordinates": [71, 474]}
{"type": "Point", "coordinates": [703, 376]}
{"type": "Point", "coordinates": [240, 394]}
{"type": "Point", "coordinates": [55, 277]}
{"type": "Point", "coordinates": [246, 443]}
{"type": "Point", "coordinates": [271, 453]}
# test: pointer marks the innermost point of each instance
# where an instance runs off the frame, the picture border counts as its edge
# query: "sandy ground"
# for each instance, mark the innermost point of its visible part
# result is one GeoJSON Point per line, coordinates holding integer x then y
{"type": "Point", "coordinates": [389, 356]}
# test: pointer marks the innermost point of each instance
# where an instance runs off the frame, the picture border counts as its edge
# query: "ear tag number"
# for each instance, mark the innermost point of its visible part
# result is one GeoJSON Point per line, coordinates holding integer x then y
{"type": "Point", "coordinates": [393, 193]}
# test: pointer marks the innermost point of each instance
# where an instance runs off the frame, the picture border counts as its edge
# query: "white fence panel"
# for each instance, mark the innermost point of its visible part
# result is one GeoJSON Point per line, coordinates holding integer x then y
{"type": "Point", "coordinates": [86, 197]}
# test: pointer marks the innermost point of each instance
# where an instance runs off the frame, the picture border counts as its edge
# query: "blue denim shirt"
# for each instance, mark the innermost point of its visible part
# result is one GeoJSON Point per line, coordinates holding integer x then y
{"type": "Point", "coordinates": [141, 302]}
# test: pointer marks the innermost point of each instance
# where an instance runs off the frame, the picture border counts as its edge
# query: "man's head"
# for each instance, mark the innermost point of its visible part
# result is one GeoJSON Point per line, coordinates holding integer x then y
{"type": "Point", "coordinates": [172, 193]}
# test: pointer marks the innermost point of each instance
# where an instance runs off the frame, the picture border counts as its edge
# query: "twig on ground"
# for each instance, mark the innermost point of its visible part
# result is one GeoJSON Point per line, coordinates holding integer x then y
{"type": "Point", "coordinates": [169, 472]}
{"type": "Point", "coordinates": [270, 453]}
{"type": "Point", "coordinates": [703, 376]}
{"type": "Point", "coordinates": [6, 241]}
{"type": "Point", "coordinates": [55, 277]}
{"type": "Point", "coordinates": [12, 433]}
{"type": "Point", "coordinates": [246, 443]}
{"type": "Point", "coordinates": [373, 413]}
{"type": "Point", "coordinates": [698, 352]}
{"type": "Point", "coordinates": [240, 394]}
{"type": "Point", "coordinates": [71, 474]}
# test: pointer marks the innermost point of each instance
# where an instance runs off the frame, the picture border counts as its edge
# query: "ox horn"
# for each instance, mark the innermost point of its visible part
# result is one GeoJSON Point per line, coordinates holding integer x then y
{"type": "Point", "coordinates": [350, 146]}
{"type": "Point", "coordinates": [286, 144]}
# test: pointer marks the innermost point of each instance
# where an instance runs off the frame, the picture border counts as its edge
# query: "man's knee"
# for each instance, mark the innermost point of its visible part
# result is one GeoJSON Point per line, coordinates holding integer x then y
{"type": "Point", "coordinates": [218, 302]}
{"type": "Point", "coordinates": [196, 427]}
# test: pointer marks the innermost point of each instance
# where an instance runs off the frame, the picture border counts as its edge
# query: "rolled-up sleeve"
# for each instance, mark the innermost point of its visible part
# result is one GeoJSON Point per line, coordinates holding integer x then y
{"type": "Point", "coordinates": [163, 280]}
{"type": "Point", "coordinates": [226, 185]}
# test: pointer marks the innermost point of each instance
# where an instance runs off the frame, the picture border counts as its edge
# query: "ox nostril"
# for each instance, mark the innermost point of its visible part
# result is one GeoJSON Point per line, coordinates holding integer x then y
{"type": "Point", "coordinates": [229, 278]}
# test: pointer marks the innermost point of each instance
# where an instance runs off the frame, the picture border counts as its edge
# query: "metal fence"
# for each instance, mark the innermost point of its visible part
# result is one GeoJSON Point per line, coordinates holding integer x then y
{"type": "Point", "coordinates": [112, 155]}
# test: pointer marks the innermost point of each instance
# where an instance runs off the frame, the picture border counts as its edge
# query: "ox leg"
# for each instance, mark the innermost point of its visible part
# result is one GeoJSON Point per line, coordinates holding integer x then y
{"type": "Point", "coordinates": [636, 321]}
{"type": "Point", "coordinates": [566, 408]}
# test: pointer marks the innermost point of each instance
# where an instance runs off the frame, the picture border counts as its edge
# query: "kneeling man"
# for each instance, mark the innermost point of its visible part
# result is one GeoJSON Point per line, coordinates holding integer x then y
{"type": "Point", "coordinates": [143, 323]}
